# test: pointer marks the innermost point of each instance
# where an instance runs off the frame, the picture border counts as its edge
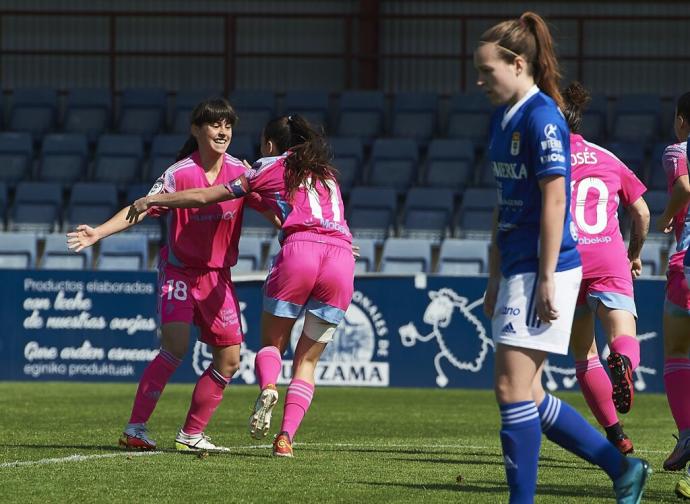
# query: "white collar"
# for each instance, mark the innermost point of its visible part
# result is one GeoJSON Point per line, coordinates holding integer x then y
{"type": "Point", "coordinates": [509, 113]}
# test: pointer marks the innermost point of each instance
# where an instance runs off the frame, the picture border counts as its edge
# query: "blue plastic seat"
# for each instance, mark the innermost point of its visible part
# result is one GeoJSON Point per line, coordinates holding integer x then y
{"type": "Point", "coordinates": [637, 118]}
{"type": "Point", "coordinates": [361, 114]}
{"type": "Point", "coordinates": [118, 159]}
{"type": "Point", "coordinates": [242, 147]}
{"type": "Point", "coordinates": [371, 212]}
{"type": "Point", "coordinates": [63, 158]}
{"type": "Point", "coordinates": [128, 252]}
{"type": "Point", "coordinates": [594, 119]}
{"type": "Point", "coordinates": [17, 250]}
{"type": "Point", "coordinates": [347, 158]}
{"type": "Point", "coordinates": [463, 257]}
{"type": "Point", "coordinates": [656, 178]}
{"type": "Point", "coordinates": [56, 255]}
{"type": "Point", "coordinates": [632, 154]}
{"type": "Point", "coordinates": [255, 224]}
{"type": "Point", "coordinates": [249, 255]}
{"type": "Point", "coordinates": [254, 109]}
{"type": "Point", "coordinates": [16, 155]}
{"type": "Point", "coordinates": [426, 213]}
{"type": "Point", "coordinates": [36, 207]}
{"type": "Point", "coordinates": [651, 257]}
{"type": "Point", "coordinates": [185, 102]}
{"type": "Point", "coordinates": [414, 116]}
{"type": "Point", "coordinates": [469, 116]}
{"type": "Point", "coordinates": [164, 149]}
{"type": "Point", "coordinates": [366, 262]}
{"type": "Point", "coordinates": [3, 204]}
{"type": "Point", "coordinates": [90, 203]}
{"type": "Point", "coordinates": [476, 212]}
{"type": "Point", "coordinates": [34, 111]}
{"type": "Point", "coordinates": [394, 163]}
{"type": "Point", "coordinates": [450, 163]}
{"type": "Point", "coordinates": [656, 201]}
{"type": "Point", "coordinates": [406, 256]}
{"type": "Point", "coordinates": [89, 112]}
{"type": "Point", "coordinates": [312, 105]}
{"type": "Point", "coordinates": [142, 112]}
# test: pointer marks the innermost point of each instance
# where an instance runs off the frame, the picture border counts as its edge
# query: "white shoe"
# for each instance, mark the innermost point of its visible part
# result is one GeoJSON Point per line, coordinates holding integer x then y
{"type": "Point", "coordinates": [260, 419]}
{"type": "Point", "coordinates": [196, 442]}
{"type": "Point", "coordinates": [134, 437]}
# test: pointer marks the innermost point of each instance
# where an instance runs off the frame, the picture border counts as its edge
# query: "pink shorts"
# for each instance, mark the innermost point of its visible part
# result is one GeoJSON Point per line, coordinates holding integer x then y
{"type": "Point", "coordinates": [311, 272]}
{"type": "Point", "coordinates": [677, 292]}
{"type": "Point", "coordinates": [613, 292]}
{"type": "Point", "coordinates": [203, 297]}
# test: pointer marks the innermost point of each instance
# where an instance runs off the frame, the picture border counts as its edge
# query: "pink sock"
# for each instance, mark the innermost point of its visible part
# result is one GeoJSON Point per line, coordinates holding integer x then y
{"type": "Point", "coordinates": [206, 397]}
{"type": "Point", "coordinates": [596, 387]}
{"type": "Point", "coordinates": [267, 366]}
{"type": "Point", "coordinates": [628, 346]}
{"type": "Point", "coordinates": [676, 380]}
{"type": "Point", "coordinates": [297, 401]}
{"type": "Point", "coordinates": [151, 385]}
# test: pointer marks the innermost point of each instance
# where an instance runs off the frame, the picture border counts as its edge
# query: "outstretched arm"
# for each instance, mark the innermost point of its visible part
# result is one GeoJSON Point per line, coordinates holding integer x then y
{"type": "Point", "coordinates": [85, 236]}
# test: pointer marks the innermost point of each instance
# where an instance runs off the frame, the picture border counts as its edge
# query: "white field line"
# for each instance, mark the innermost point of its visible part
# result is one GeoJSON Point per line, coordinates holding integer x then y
{"type": "Point", "coordinates": [86, 458]}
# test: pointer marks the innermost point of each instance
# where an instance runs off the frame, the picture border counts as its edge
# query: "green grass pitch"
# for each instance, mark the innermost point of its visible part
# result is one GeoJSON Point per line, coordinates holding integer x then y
{"type": "Point", "coordinates": [356, 445]}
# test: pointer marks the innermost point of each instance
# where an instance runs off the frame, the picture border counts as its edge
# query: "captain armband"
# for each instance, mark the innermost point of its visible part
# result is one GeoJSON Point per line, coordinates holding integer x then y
{"type": "Point", "coordinates": [238, 187]}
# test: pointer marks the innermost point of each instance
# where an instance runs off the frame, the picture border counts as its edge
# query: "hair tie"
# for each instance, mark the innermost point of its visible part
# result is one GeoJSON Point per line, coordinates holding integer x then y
{"type": "Point", "coordinates": [289, 118]}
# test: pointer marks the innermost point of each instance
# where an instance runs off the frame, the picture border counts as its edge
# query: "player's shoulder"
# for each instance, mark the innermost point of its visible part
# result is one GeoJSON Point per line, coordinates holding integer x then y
{"type": "Point", "coordinates": [179, 167]}
{"type": "Point", "coordinates": [265, 163]}
{"type": "Point", "coordinates": [544, 115]}
{"type": "Point", "coordinates": [675, 150]}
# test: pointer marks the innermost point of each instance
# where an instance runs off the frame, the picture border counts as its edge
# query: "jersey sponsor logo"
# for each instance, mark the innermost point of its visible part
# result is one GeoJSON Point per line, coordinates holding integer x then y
{"type": "Point", "coordinates": [552, 144]}
{"type": "Point", "coordinates": [459, 333]}
{"type": "Point", "coordinates": [509, 170]}
{"type": "Point", "coordinates": [508, 329]}
{"type": "Point", "coordinates": [573, 231]}
{"type": "Point", "coordinates": [583, 158]}
{"type": "Point", "coordinates": [552, 158]}
{"type": "Point", "coordinates": [551, 131]}
{"type": "Point", "coordinates": [507, 310]}
{"type": "Point", "coordinates": [157, 188]}
{"type": "Point", "coordinates": [226, 216]}
{"type": "Point", "coordinates": [515, 144]}
{"type": "Point", "coordinates": [595, 240]}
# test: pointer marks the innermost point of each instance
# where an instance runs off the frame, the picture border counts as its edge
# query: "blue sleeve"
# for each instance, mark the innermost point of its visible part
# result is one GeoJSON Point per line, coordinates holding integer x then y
{"type": "Point", "coordinates": [548, 135]}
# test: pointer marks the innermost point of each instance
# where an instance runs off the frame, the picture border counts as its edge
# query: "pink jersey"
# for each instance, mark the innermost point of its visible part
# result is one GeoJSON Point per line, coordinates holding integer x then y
{"type": "Point", "coordinates": [600, 181]}
{"type": "Point", "coordinates": [208, 237]}
{"type": "Point", "coordinates": [319, 210]}
{"type": "Point", "coordinates": [675, 164]}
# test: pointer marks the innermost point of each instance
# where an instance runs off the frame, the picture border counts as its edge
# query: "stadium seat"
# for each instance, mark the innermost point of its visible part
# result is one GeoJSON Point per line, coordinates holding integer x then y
{"type": "Point", "coordinates": [16, 156]}
{"type": "Point", "coordinates": [406, 255]}
{"type": "Point", "coordinates": [476, 213]}
{"type": "Point", "coordinates": [347, 158]}
{"type": "Point", "coordinates": [312, 105]}
{"type": "Point", "coordinates": [366, 262]}
{"type": "Point", "coordinates": [485, 175]}
{"type": "Point", "coordinates": [593, 127]}
{"type": "Point", "coordinates": [469, 116]}
{"type": "Point", "coordinates": [249, 256]}
{"type": "Point", "coordinates": [371, 212]}
{"type": "Point", "coordinates": [242, 147]}
{"type": "Point", "coordinates": [361, 114]}
{"type": "Point", "coordinates": [185, 102]}
{"type": "Point", "coordinates": [36, 207]}
{"type": "Point", "coordinates": [273, 249]}
{"type": "Point", "coordinates": [426, 213]}
{"type": "Point", "coordinates": [164, 149]}
{"type": "Point", "coordinates": [17, 250]}
{"type": "Point", "coordinates": [142, 112]}
{"type": "Point", "coordinates": [34, 111]}
{"type": "Point", "coordinates": [632, 154]}
{"type": "Point", "coordinates": [254, 109]}
{"type": "Point", "coordinates": [463, 257]}
{"type": "Point", "coordinates": [255, 224]}
{"type": "Point", "coordinates": [656, 201]}
{"type": "Point", "coordinates": [63, 158]}
{"type": "Point", "coordinates": [636, 118]}
{"type": "Point", "coordinates": [651, 257]}
{"type": "Point", "coordinates": [118, 159]}
{"type": "Point", "coordinates": [450, 163]}
{"type": "Point", "coordinates": [123, 252]}
{"type": "Point", "coordinates": [656, 178]}
{"type": "Point", "coordinates": [151, 227]}
{"type": "Point", "coordinates": [393, 163]}
{"type": "Point", "coordinates": [56, 255]}
{"type": "Point", "coordinates": [88, 112]}
{"type": "Point", "coordinates": [3, 204]}
{"type": "Point", "coordinates": [90, 203]}
{"type": "Point", "coordinates": [414, 116]}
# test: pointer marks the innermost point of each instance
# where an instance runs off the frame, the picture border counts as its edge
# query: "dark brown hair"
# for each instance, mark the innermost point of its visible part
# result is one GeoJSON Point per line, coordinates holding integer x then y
{"type": "Point", "coordinates": [529, 37]}
{"type": "Point", "coordinates": [683, 107]}
{"type": "Point", "coordinates": [576, 98]}
{"type": "Point", "coordinates": [207, 112]}
{"type": "Point", "coordinates": [310, 154]}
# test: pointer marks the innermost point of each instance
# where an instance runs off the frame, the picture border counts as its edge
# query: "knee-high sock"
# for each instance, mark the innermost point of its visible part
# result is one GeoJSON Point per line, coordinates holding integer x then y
{"type": "Point", "coordinates": [151, 385]}
{"type": "Point", "coordinates": [297, 400]}
{"type": "Point", "coordinates": [563, 425]}
{"type": "Point", "coordinates": [206, 397]}
{"type": "Point", "coordinates": [628, 346]}
{"type": "Point", "coordinates": [676, 381]}
{"type": "Point", "coordinates": [596, 387]}
{"type": "Point", "coordinates": [521, 440]}
{"type": "Point", "coordinates": [267, 366]}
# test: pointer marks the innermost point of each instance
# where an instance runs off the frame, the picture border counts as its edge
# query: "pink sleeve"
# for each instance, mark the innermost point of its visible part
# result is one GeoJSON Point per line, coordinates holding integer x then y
{"type": "Point", "coordinates": [255, 201]}
{"type": "Point", "coordinates": [165, 184]}
{"type": "Point", "coordinates": [675, 162]}
{"type": "Point", "coordinates": [631, 187]}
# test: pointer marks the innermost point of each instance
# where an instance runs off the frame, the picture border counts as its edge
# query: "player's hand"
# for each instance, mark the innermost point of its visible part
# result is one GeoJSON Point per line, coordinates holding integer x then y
{"type": "Point", "coordinates": [136, 209]}
{"type": "Point", "coordinates": [83, 236]}
{"type": "Point", "coordinates": [636, 267]}
{"type": "Point", "coordinates": [246, 164]}
{"type": "Point", "coordinates": [490, 297]}
{"type": "Point", "coordinates": [546, 294]}
{"type": "Point", "coordinates": [355, 250]}
{"type": "Point", "coordinates": [664, 225]}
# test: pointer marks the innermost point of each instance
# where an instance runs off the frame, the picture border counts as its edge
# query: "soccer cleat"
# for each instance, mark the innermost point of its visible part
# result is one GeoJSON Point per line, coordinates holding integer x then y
{"type": "Point", "coordinates": [282, 446]}
{"type": "Point", "coordinates": [683, 487]}
{"type": "Point", "coordinates": [260, 419]}
{"type": "Point", "coordinates": [679, 456]}
{"type": "Point", "coordinates": [622, 381]}
{"type": "Point", "coordinates": [629, 486]}
{"type": "Point", "coordinates": [622, 442]}
{"type": "Point", "coordinates": [134, 437]}
{"type": "Point", "coordinates": [196, 442]}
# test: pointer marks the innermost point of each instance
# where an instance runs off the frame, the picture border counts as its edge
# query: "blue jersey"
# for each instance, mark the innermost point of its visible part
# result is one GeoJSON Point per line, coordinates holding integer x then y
{"type": "Point", "coordinates": [529, 142]}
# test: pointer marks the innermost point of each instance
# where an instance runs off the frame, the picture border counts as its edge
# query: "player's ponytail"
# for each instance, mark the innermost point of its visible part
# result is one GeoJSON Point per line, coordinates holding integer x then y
{"type": "Point", "coordinates": [309, 153]}
{"type": "Point", "coordinates": [683, 107]}
{"type": "Point", "coordinates": [207, 112]}
{"type": "Point", "coordinates": [575, 101]}
{"type": "Point", "coordinates": [529, 37]}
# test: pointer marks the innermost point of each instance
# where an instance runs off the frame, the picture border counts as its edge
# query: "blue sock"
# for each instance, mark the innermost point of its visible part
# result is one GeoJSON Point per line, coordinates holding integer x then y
{"type": "Point", "coordinates": [563, 425]}
{"type": "Point", "coordinates": [521, 439]}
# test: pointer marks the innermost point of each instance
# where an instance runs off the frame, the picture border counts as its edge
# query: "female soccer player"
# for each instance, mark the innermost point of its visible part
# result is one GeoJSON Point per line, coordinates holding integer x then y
{"type": "Point", "coordinates": [599, 182]}
{"type": "Point", "coordinates": [535, 268]}
{"type": "Point", "coordinates": [677, 304]}
{"type": "Point", "coordinates": [194, 278]}
{"type": "Point", "coordinates": [313, 272]}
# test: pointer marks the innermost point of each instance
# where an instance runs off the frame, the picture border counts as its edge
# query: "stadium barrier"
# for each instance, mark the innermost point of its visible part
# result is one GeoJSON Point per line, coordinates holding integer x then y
{"type": "Point", "coordinates": [402, 331]}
